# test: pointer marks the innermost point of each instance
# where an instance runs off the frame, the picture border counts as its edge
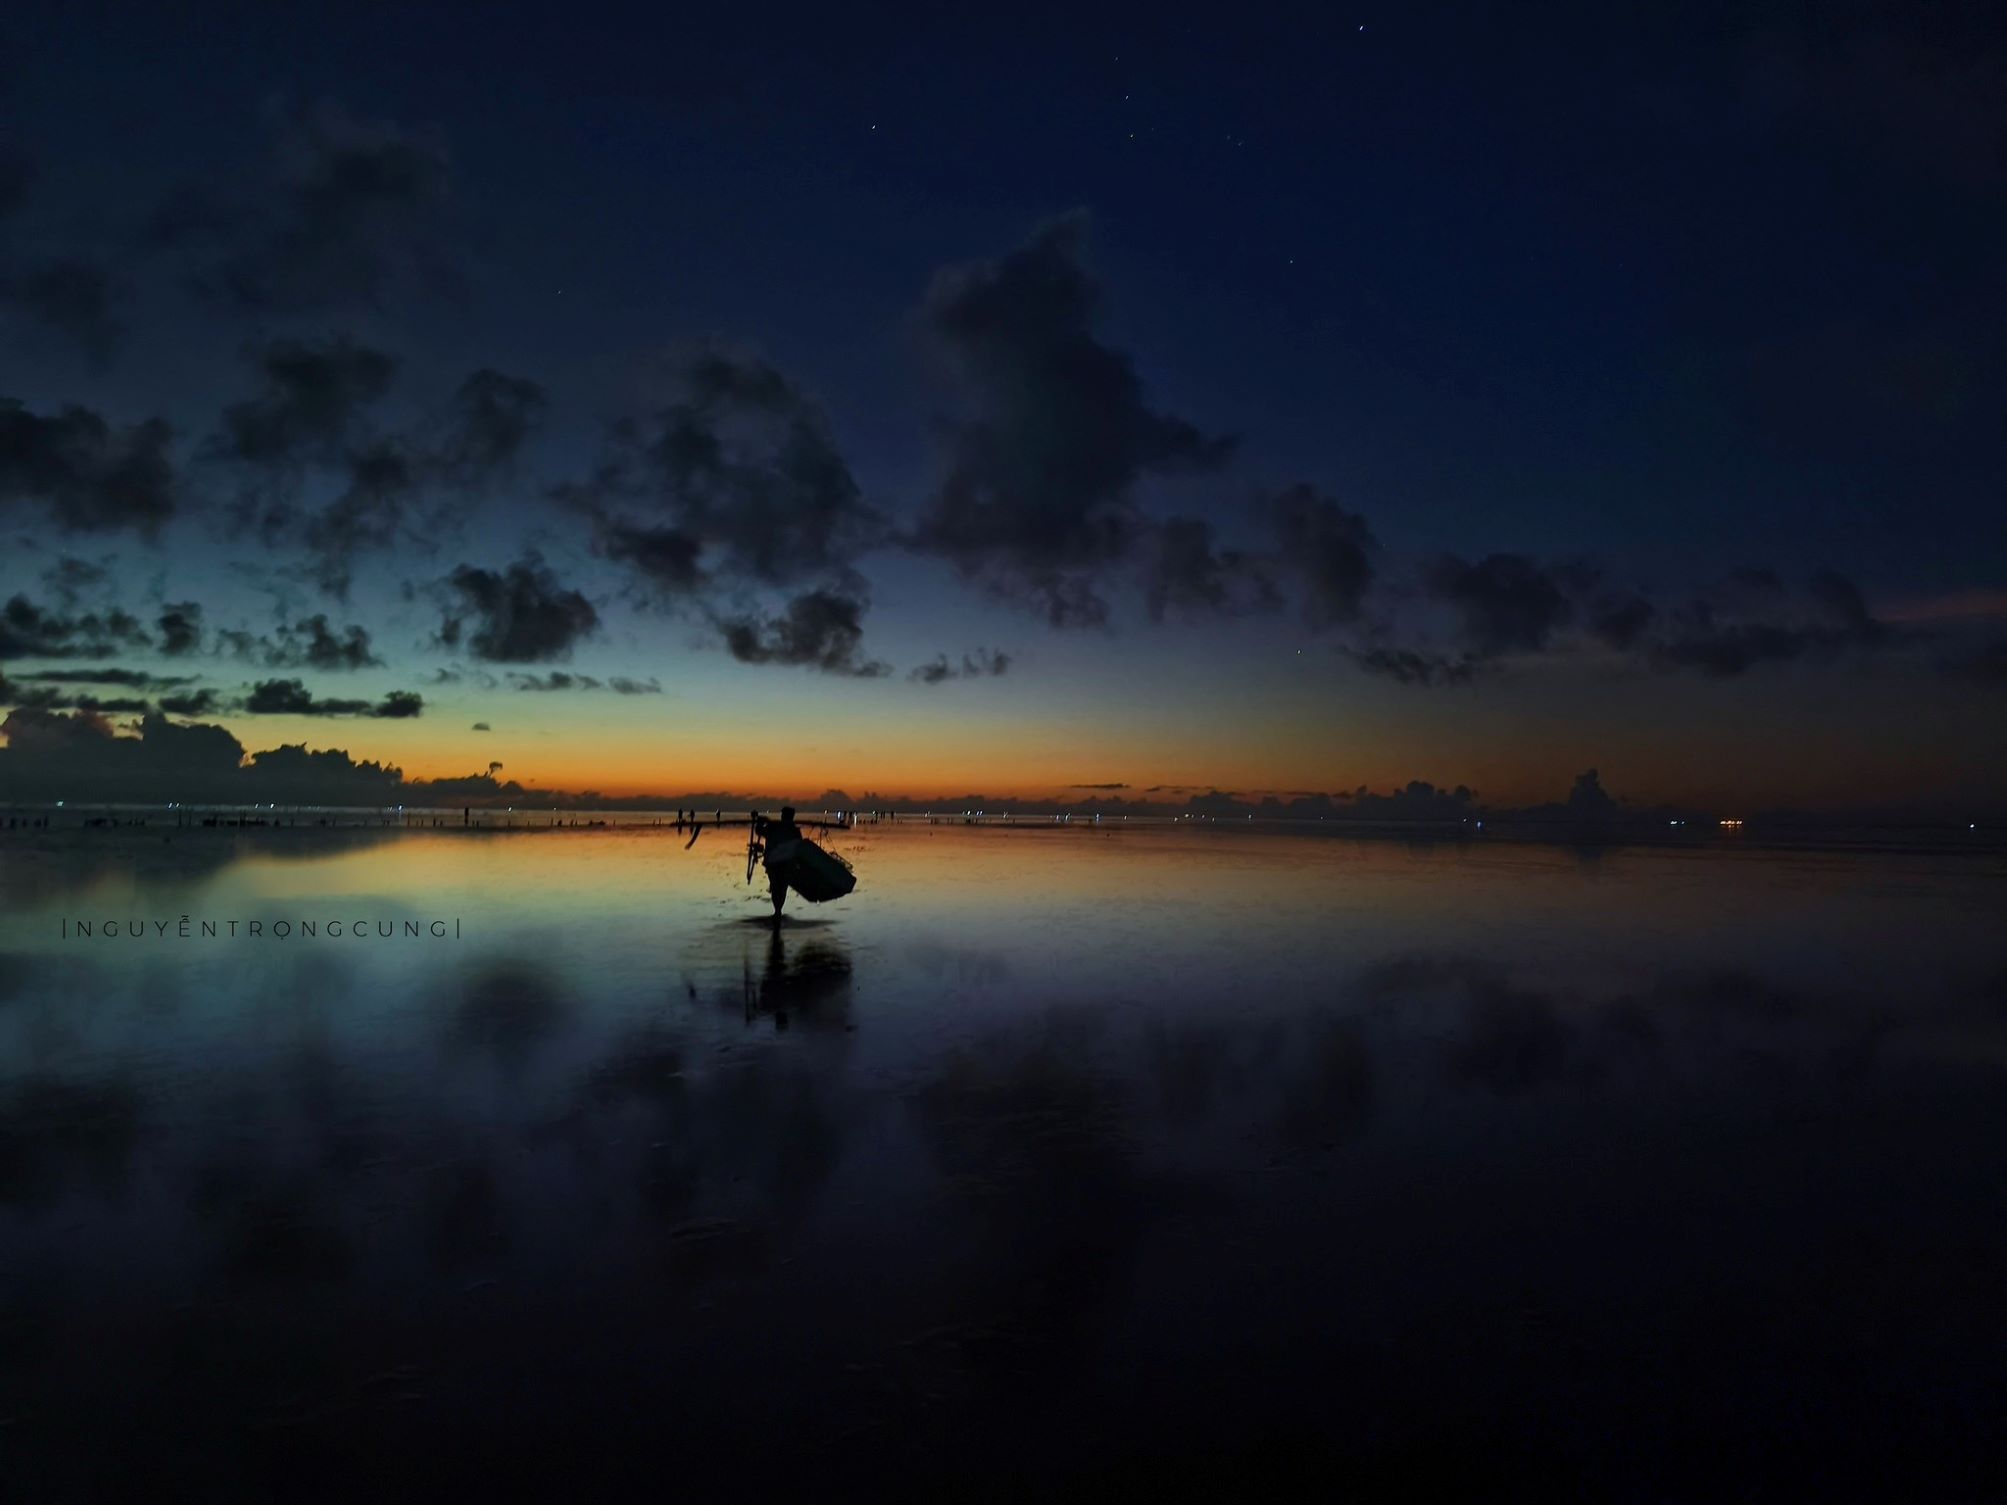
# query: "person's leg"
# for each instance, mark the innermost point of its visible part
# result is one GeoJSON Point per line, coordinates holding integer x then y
{"type": "Point", "coordinates": [779, 891]}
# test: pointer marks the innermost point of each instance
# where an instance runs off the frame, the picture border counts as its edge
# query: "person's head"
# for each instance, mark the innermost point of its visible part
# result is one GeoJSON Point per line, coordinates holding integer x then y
{"type": "Point", "coordinates": [787, 812]}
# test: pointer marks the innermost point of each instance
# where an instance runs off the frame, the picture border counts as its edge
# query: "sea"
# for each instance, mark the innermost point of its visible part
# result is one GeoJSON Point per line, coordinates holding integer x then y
{"type": "Point", "coordinates": [391, 1158]}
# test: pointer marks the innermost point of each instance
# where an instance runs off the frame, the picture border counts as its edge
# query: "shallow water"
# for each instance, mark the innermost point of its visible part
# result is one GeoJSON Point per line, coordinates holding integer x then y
{"type": "Point", "coordinates": [1048, 1156]}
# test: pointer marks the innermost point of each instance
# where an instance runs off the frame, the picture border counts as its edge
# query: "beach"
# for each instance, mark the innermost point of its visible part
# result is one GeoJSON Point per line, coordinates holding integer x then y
{"type": "Point", "coordinates": [1083, 1160]}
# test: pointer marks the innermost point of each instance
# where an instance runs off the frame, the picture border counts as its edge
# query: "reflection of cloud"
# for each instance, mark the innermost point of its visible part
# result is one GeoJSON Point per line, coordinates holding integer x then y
{"type": "Point", "coordinates": [507, 1012]}
{"type": "Point", "coordinates": [1511, 1042]}
{"type": "Point", "coordinates": [1039, 1172]}
{"type": "Point", "coordinates": [54, 1129]}
{"type": "Point", "coordinates": [464, 1215]}
{"type": "Point", "coordinates": [1512, 1039]}
{"type": "Point", "coordinates": [1332, 1100]}
{"type": "Point", "coordinates": [283, 1235]}
{"type": "Point", "coordinates": [720, 1155]}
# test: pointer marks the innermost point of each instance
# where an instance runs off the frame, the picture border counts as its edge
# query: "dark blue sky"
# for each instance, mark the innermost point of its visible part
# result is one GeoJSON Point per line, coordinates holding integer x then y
{"type": "Point", "coordinates": [1677, 290]}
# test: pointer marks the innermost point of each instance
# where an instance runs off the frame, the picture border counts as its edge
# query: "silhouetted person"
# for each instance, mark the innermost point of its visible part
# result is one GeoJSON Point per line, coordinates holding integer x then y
{"type": "Point", "coordinates": [773, 832]}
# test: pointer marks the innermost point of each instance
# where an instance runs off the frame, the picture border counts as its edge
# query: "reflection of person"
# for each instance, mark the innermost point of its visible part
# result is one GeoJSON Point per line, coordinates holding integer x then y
{"type": "Point", "coordinates": [773, 833]}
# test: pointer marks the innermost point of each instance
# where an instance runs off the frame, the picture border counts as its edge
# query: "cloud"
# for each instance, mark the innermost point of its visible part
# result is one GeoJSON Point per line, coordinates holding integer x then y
{"type": "Point", "coordinates": [314, 414]}
{"type": "Point", "coordinates": [358, 208]}
{"type": "Point", "coordinates": [17, 176]}
{"type": "Point", "coordinates": [1505, 602]}
{"type": "Point", "coordinates": [739, 478]}
{"type": "Point", "coordinates": [1185, 573]}
{"type": "Point", "coordinates": [290, 697]}
{"type": "Point", "coordinates": [314, 644]}
{"type": "Point", "coordinates": [70, 294]}
{"type": "Point", "coordinates": [193, 703]}
{"type": "Point", "coordinates": [1411, 667]}
{"type": "Point", "coordinates": [79, 757]}
{"type": "Point", "coordinates": [1621, 620]}
{"type": "Point", "coordinates": [492, 416]}
{"type": "Point", "coordinates": [482, 726]}
{"type": "Point", "coordinates": [180, 624]}
{"type": "Point", "coordinates": [130, 678]}
{"type": "Point", "coordinates": [822, 629]}
{"type": "Point", "coordinates": [57, 696]}
{"type": "Point", "coordinates": [559, 680]}
{"type": "Point", "coordinates": [982, 664]}
{"type": "Point", "coordinates": [1050, 433]}
{"type": "Point", "coordinates": [1330, 551]}
{"type": "Point", "coordinates": [668, 559]}
{"type": "Point", "coordinates": [308, 644]}
{"type": "Point", "coordinates": [521, 615]}
{"type": "Point", "coordinates": [84, 473]}
{"type": "Point", "coordinates": [315, 392]}
{"type": "Point", "coordinates": [1752, 619]}
{"type": "Point", "coordinates": [70, 579]}
{"type": "Point", "coordinates": [555, 680]}
{"type": "Point", "coordinates": [31, 631]}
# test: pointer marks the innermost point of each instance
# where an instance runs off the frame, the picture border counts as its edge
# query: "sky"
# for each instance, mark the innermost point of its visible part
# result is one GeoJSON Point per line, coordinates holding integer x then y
{"type": "Point", "coordinates": [1058, 404]}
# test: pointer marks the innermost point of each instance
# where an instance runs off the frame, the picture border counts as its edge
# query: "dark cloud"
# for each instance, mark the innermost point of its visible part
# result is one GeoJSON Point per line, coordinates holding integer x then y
{"type": "Point", "coordinates": [31, 631]}
{"type": "Point", "coordinates": [1412, 667]}
{"type": "Point", "coordinates": [557, 679]}
{"type": "Point", "coordinates": [70, 579]}
{"type": "Point", "coordinates": [1983, 663]}
{"type": "Point", "coordinates": [384, 477]}
{"type": "Point", "coordinates": [482, 726]}
{"type": "Point", "coordinates": [521, 615]}
{"type": "Point", "coordinates": [1508, 604]}
{"type": "Point", "coordinates": [180, 624]}
{"type": "Point", "coordinates": [84, 473]}
{"type": "Point", "coordinates": [314, 395]}
{"type": "Point", "coordinates": [1621, 620]}
{"type": "Point", "coordinates": [73, 295]}
{"type": "Point", "coordinates": [982, 664]}
{"type": "Point", "coordinates": [739, 478]}
{"type": "Point", "coordinates": [668, 559]}
{"type": "Point", "coordinates": [290, 697]}
{"type": "Point", "coordinates": [358, 208]}
{"type": "Point", "coordinates": [823, 629]}
{"type": "Point", "coordinates": [620, 684]}
{"type": "Point", "coordinates": [63, 698]}
{"type": "Point", "coordinates": [1505, 603]}
{"type": "Point", "coordinates": [1186, 573]}
{"type": "Point", "coordinates": [78, 757]}
{"type": "Point", "coordinates": [1588, 800]}
{"type": "Point", "coordinates": [1329, 549]}
{"type": "Point", "coordinates": [194, 703]}
{"type": "Point", "coordinates": [1752, 619]}
{"type": "Point", "coordinates": [315, 645]}
{"type": "Point", "coordinates": [137, 679]}
{"type": "Point", "coordinates": [314, 415]}
{"type": "Point", "coordinates": [308, 644]}
{"type": "Point", "coordinates": [493, 414]}
{"type": "Point", "coordinates": [17, 176]}
{"type": "Point", "coordinates": [1050, 434]}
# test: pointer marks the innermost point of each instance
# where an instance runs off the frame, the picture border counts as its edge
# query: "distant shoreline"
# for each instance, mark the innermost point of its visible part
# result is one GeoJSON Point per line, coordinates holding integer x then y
{"type": "Point", "coordinates": [101, 822]}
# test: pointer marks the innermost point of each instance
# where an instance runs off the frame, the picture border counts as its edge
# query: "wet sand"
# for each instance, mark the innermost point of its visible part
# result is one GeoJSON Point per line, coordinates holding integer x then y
{"type": "Point", "coordinates": [1172, 1159]}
